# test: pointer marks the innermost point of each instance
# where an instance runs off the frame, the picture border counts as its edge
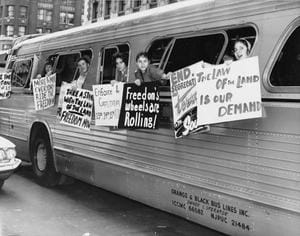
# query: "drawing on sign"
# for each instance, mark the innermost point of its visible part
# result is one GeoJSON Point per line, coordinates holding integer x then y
{"type": "Point", "coordinates": [77, 108]}
{"type": "Point", "coordinates": [44, 92]}
{"type": "Point", "coordinates": [140, 106]}
{"type": "Point", "coordinates": [107, 103]}
{"type": "Point", "coordinates": [5, 85]}
{"type": "Point", "coordinates": [184, 101]}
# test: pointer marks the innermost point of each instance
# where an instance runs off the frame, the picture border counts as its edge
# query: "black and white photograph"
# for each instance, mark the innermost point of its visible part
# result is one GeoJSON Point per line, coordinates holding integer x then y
{"type": "Point", "coordinates": [149, 117]}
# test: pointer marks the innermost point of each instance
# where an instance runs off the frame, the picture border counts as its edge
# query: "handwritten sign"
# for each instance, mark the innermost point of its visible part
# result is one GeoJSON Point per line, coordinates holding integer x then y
{"type": "Point", "coordinates": [140, 106]}
{"type": "Point", "coordinates": [77, 108]}
{"type": "Point", "coordinates": [229, 92]}
{"type": "Point", "coordinates": [44, 92]}
{"type": "Point", "coordinates": [107, 102]}
{"type": "Point", "coordinates": [5, 85]}
{"type": "Point", "coordinates": [184, 101]}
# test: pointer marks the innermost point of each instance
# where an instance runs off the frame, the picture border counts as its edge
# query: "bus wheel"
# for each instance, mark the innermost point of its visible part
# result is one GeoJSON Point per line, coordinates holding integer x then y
{"type": "Point", "coordinates": [42, 161]}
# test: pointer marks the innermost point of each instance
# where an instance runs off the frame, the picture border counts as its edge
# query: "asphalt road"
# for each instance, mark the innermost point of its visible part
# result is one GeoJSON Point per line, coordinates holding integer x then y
{"type": "Point", "coordinates": [27, 209]}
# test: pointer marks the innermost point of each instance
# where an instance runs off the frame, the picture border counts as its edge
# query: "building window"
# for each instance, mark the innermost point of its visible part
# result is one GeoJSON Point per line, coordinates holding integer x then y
{"type": "Point", "coordinates": [48, 30]}
{"type": "Point", "coordinates": [39, 30]}
{"type": "Point", "coordinates": [1, 11]}
{"type": "Point", "coordinates": [172, 1]}
{"type": "Point", "coordinates": [107, 9]}
{"type": "Point", "coordinates": [66, 18]}
{"type": "Point", "coordinates": [9, 30]}
{"type": "Point", "coordinates": [11, 11]}
{"type": "Point", "coordinates": [45, 15]}
{"type": "Point", "coordinates": [136, 5]}
{"type": "Point", "coordinates": [121, 10]}
{"type": "Point", "coordinates": [95, 10]}
{"type": "Point", "coordinates": [22, 30]}
{"type": "Point", "coordinates": [153, 3]}
{"type": "Point", "coordinates": [23, 12]}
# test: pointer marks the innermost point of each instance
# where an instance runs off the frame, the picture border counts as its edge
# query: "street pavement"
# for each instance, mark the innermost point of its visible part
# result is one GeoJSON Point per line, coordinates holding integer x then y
{"type": "Point", "coordinates": [27, 209]}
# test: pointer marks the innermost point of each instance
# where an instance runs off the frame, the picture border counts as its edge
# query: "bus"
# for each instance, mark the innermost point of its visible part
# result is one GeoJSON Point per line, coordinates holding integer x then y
{"type": "Point", "coordinates": [240, 178]}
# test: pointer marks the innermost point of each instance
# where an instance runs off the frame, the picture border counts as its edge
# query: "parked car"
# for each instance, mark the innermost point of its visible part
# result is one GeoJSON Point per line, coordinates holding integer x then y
{"type": "Point", "coordinates": [8, 160]}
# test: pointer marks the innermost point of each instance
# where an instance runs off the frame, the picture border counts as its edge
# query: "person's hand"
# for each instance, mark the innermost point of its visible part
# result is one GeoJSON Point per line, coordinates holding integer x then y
{"type": "Point", "coordinates": [167, 76]}
{"type": "Point", "coordinates": [113, 82]}
{"type": "Point", "coordinates": [138, 82]}
{"type": "Point", "coordinates": [228, 62]}
{"type": "Point", "coordinates": [38, 76]}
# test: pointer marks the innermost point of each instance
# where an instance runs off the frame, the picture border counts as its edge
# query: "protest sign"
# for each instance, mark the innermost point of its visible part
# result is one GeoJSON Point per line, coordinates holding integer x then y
{"type": "Point", "coordinates": [5, 85]}
{"type": "Point", "coordinates": [184, 101]}
{"type": "Point", "coordinates": [77, 108]}
{"type": "Point", "coordinates": [229, 92]}
{"type": "Point", "coordinates": [140, 106]}
{"type": "Point", "coordinates": [44, 92]}
{"type": "Point", "coordinates": [107, 103]}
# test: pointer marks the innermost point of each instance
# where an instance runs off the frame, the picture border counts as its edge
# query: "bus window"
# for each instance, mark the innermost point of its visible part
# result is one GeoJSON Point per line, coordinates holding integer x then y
{"type": "Point", "coordinates": [187, 51]}
{"type": "Point", "coordinates": [108, 71]}
{"type": "Point", "coordinates": [286, 71]}
{"type": "Point", "coordinates": [21, 72]}
{"type": "Point", "coordinates": [247, 33]}
{"type": "Point", "coordinates": [66, 68]}
{"type": "Point", "coordinates": [157, 50]}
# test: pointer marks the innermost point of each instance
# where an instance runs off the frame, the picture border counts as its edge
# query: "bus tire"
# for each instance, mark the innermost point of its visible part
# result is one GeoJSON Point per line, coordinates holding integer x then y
{"type": "Point", "coordinates": [42, 161]}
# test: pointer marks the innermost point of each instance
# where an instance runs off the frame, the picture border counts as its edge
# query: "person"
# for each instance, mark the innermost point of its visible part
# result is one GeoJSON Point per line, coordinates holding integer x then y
{"type": "Point", "coordinates": [83, 64]}
{"type": "Point", "coordinates": [121, 66]}
{"type": "Point", "coordinates": [147, 72]}
{"type": "Point", "coordinates": [48, 70]}
{"type": "Point", "coordinates": [242, 48]}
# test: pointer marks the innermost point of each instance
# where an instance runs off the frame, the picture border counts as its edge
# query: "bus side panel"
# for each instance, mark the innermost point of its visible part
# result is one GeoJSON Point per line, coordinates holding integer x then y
{"type": "Point", "coordinates": [228, 214]}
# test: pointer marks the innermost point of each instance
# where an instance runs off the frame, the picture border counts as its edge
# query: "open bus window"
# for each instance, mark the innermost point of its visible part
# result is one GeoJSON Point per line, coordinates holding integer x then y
{"type": "Point", "coordinates": [21, 73]}
{"type": "Point", "coordinates": [187, 51]}
{"type": "Point", "coordinates": [248, 33]}
{"type": "Point", "coordinates": [157, 50]}
{"type": "Point", "coordinates": [66, 68]}
{"type": "Point", "coordinates": [108, 71]}
{"type": "Point", "coordinates": [286, 71]}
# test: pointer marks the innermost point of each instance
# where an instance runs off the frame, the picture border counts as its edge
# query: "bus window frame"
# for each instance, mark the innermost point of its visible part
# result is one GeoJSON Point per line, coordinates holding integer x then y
{"type": "Point", "coordinates": [101, 58]}
{"type": "Point", "coordinates": [27, 82]}
{"type": "Point", "coordinates": [273, 59]}
{"type": "Point", "coordinates": [165, 58]}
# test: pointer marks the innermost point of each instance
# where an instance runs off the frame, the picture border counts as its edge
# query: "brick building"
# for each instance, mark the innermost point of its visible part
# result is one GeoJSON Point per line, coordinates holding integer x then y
{"type": "Point", "coordinates": [105, 9]}
{"type": "Point", "coordinates": [20, 17]}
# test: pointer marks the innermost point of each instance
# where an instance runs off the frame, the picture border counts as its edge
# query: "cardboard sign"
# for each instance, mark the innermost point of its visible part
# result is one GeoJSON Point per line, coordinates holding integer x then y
{"type": "Point", "coordinates": [229, 92]}
{"type": "Point", "coordinates": [5, 85]}
{"type": "Point", "coordinates": [140, 106]}
{"type": "Point", "coordinates": [184, 101]}
{"type": "Point", "coordinates": [107, 102]}
{"type": "Point", "coordinates": [44, 92]}
{"type": "Point", "coordinates": [77, 108]}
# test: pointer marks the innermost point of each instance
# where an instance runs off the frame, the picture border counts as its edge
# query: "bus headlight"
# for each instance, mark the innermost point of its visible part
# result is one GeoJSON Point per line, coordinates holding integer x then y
{"type": "Point", "coordinates": [11, 153]}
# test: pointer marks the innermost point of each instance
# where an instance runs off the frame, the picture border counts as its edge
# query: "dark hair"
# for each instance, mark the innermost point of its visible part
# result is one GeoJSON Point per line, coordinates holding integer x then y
{"type": "Point", "coordinates": [48, 63]}
{"type": "Point", "coordinates": [84, 58]}
{"type": "Point", "coordinates": [122, 56]}
{"type": "Point", "coordinates": [245, 42]}
{"type": "Point", "coordinates": [142, 54]}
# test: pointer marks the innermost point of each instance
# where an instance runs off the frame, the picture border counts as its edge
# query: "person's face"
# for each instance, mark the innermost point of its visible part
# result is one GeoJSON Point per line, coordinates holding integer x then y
{"type": "Point", "coordinates": [240, 51]}
{"type": "Point", "coordinates": [83, 66]}
{"type": "Point", "coordinates": [120, 64]}
{"type": "Point", "coordinates": [142, 63]}
{"type": "Point", "coordinates": [48, 68]}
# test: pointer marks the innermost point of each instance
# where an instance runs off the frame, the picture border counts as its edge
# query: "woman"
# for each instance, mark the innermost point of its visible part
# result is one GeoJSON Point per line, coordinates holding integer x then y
{"type": "Point", "coordinates": [241, 49]}
{"type": "Point", "coordinates": [83, 65]}
{"type": "Point", "coordinates": [121, 66]}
